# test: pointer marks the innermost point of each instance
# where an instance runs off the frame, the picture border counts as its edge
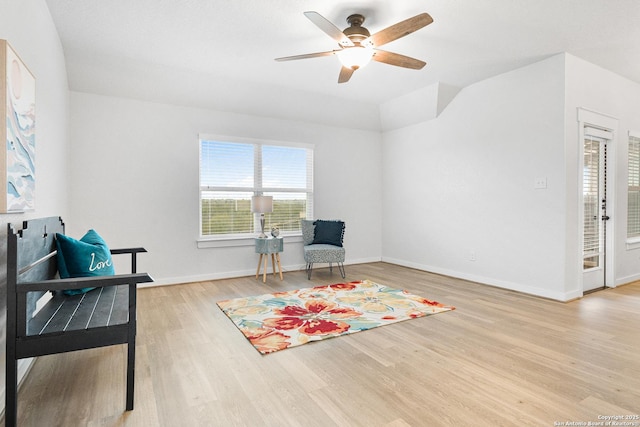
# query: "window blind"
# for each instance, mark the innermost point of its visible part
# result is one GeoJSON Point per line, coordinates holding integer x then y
{"type": "Point", "coordinates": [633, 188]}
{"type": "Point", "coordinates": [591, 196]}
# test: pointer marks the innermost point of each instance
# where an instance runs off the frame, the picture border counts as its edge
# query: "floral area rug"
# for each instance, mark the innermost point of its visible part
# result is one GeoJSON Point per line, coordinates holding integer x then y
{"type": "Point", "coordinates": [281, 320]}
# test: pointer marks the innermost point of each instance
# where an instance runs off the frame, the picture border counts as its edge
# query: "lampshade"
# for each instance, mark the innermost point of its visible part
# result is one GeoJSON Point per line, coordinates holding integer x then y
{"type": "Point", "coordinates": [355, 57]}
{"type": "Point", "coordinates": [262, 204]}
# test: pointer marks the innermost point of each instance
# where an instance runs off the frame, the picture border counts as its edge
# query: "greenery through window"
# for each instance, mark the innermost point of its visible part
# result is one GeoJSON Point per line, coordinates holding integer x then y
{"type": "Point", "coordinates": [232, 171]}
{"type": "Point", "coordinates": [633, 188]}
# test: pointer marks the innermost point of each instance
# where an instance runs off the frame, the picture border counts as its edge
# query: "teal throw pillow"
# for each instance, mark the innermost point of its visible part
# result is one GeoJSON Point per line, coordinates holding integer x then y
{"type": "Point", "coordinates": [328, 232]}
{"type": "Point", "coordinates": [89, 256]}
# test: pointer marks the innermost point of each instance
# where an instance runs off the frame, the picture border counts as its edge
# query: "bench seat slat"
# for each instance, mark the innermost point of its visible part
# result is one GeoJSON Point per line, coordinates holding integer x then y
{"type": "Point", "coordinates": [59, 319]}
{"type": "Point", "coordinates": [84, 308]}
{"type": "Point", "coordinates": [94, 309]}
{"type": "Point", "coordinates": [120, 311]}
{"type": "Point", "coordinates": [67, 310]}
{"type": "Point", "coordinates": [103, 314]}
{"type": "Point", "coordinates": [97, 312]}
{"type": "Point", "coordinates": [36, 324]}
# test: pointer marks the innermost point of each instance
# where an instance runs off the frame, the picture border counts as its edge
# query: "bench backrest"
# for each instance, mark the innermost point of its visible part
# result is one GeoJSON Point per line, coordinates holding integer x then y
{"type": "Point", "coordinates": [31, 256]}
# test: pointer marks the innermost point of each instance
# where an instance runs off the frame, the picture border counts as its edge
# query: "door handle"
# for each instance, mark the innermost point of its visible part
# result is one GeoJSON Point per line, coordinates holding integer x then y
{"type": "Point", "coordinates": [605, 217]}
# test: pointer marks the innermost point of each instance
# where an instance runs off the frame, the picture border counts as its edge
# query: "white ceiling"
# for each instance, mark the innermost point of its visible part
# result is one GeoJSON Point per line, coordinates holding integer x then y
{"type": "Point", "coordinates": [225, 49]}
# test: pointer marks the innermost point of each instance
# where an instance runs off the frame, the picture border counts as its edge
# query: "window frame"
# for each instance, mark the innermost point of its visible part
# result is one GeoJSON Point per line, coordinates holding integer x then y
{"type": "Point", "coordinates": [247, 239]}
{"type": "Point", "coordinates": [633, 239]}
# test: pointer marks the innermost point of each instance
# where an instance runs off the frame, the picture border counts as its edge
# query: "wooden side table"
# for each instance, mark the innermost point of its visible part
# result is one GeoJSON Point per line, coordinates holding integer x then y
{"type": "Point", "coordinates": [271, 246]}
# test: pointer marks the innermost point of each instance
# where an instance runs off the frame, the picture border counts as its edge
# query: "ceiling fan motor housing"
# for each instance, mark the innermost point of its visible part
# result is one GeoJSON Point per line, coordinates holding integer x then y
{"type": "Point", "coordinates": [356, 32]}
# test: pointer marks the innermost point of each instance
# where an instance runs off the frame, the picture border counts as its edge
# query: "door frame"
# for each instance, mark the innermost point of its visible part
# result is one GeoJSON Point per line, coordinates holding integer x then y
{"type": "Point", "coordinates": [609, 127]}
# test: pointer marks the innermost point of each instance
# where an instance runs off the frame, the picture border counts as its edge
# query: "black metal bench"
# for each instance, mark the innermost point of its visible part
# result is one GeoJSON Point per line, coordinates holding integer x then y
{"type": "Point", "coordinates": [102, 317]}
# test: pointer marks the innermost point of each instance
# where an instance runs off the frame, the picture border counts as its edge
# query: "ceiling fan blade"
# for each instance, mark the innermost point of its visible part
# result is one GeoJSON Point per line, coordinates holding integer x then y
{"type": "Point", "coordinates": [397, 59]}
{"type": "Point", "coordinates": [307, 55]}
{"type": "Point", "coordinates": [325, 25]}
{"type": "Point", "coordinates": [400, 29]}
{"type": "Point", "coordinates": [345, 74]}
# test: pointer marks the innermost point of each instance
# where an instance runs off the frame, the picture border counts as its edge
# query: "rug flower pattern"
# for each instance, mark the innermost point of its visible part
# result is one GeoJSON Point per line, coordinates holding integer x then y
{"type": "Point", "coordinates": [281, 320]}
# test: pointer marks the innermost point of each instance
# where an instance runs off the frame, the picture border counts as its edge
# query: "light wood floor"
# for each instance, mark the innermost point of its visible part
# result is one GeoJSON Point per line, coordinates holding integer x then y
{"type": "Point", "coordinates": [500, 359]}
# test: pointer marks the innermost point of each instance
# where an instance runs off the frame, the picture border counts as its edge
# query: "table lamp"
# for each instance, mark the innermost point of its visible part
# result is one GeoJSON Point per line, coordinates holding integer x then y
{"type": "Point", "coordinates": [262, 205]}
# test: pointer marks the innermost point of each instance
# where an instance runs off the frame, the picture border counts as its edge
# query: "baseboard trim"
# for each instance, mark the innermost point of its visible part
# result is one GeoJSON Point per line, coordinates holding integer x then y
{"type": "Point", "coordinates": [628, 279]}
{"type": "Point", "coordinates": [518, 287]}
{"type": "Point", "coordinates": [167, 281]}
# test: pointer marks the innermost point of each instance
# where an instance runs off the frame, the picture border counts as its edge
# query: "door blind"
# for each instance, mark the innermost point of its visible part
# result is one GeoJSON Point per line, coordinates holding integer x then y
{"type": "Point", "coordinates": [591, 196]}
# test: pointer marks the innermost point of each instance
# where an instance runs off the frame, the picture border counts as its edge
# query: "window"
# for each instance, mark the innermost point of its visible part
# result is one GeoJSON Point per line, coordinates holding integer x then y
{"type": "Point", "coordinates": [232, 171]}
{"type": "Point", "coordinates": [633, 187]}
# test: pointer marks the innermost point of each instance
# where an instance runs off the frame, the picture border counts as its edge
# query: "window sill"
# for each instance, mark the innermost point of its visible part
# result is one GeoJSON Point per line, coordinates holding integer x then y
{"type": "Point", "coordinates": [633, 243]}
{"type": "Point", "coordinates": [231, 242]}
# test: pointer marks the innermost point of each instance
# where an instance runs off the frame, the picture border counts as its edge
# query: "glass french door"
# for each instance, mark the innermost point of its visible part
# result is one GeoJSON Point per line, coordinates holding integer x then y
{"type": "Point", "coordinates": [594, 193]}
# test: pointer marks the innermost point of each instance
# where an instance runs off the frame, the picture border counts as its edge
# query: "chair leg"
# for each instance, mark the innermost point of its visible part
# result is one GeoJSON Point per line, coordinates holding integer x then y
{"type": "Point", "coordinates": [341, 268]}
{"type": "Point", "coordinates": [309, 270]}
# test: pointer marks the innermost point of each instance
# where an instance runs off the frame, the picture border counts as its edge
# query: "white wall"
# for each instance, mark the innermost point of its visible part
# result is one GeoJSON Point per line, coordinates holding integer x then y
{"type": "Point", "coordinates": [134, 178]}
{"type": "Point", "coordinates": [462, 186]}
{"type": "Point", "coordinates": [28, 28]}
{"type": "Point", "coordinates": [464, 182]}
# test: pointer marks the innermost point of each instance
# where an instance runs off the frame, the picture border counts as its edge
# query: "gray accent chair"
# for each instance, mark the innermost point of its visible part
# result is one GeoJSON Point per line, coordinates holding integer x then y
{"type": "Point", "coordinates": [320, 252]}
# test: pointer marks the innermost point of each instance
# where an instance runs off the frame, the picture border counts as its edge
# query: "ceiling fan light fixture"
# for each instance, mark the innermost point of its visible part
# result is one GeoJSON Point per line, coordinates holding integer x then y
{"type": "Point", "coordinates": [355, 57]}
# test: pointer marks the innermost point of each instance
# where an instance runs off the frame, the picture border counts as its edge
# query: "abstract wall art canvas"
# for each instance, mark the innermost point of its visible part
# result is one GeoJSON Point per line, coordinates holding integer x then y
{"type": "Point", "coordinates": [17, 109]}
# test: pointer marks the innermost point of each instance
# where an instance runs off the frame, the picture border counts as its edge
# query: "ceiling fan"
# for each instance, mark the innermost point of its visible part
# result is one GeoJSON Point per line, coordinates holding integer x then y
{"type": "Point", "coordinates": [358, 46]}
